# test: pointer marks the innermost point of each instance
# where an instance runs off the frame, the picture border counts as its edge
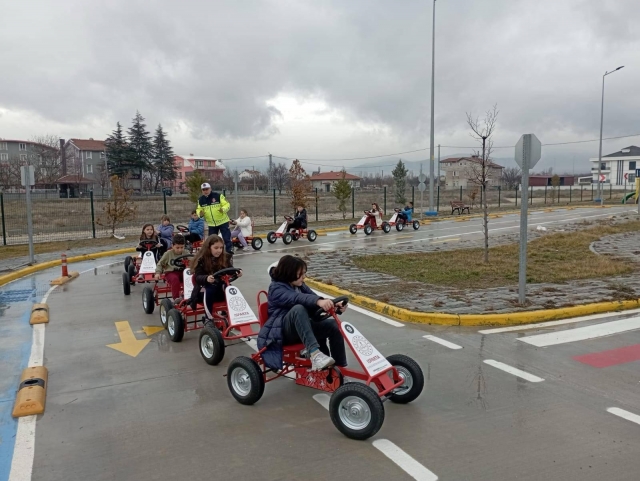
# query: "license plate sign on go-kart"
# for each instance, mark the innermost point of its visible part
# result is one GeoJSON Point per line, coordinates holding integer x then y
{"type": "Point", "coordinates": [188, 283]}
{"type": "Point", "coordinates": [394, 218]}
{"type": "Point", "coordinates": [148, 263]}
{"type": "Point", "coordinates": [367, 354]}
{"type": "Point", "coordinates": [239, 310]}
{"type": "Point", "coordinates": [362, 221]}
{"type": "Point", "coordinates": [282, 228]}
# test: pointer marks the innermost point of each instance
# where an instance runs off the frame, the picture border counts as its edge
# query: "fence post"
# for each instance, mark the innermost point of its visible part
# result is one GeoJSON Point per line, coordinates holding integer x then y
{"type": "Point", "coordinates": [559, 189]}
{"type": "Point", "coordinates": [4, 226]}
{"type": "Point", "coordinates": [591, 191]}
{"type": "Point", "coordinates": [460, 192]}
{"type": "Point", "coordinates": [516, 196]}
{"type": "Point", "coordinates": [275, 221]}
{"type": "Point", "coordinates": [413, 194]}
{"type": "Point", "coordinates": [499, 195]}
{"type": "Point", "coordinates": [581, 191]}
{"type": "Point", "coordinates": [531, 195]}
{"type": "Point", "coordinates": [353, 202]}
{"type": "Point", "coordinates": [385, 199]}
{"type": "Point", "coordinates": [164, 201]}
{"type": "Point", "coordinates": [438, 201]}
{"type": "Point", "coordinates": [570, 194]}
{"type": "Point", "coordinates": [545, 195]}
{"type": "Point", "coordinates": [224, 192]}
{"type": "Point", "coordinates": [93, 215]}
{"type": "Point", "coordinates": [316, 204]}
{"type": "Point", "coordinates": [610, 190]}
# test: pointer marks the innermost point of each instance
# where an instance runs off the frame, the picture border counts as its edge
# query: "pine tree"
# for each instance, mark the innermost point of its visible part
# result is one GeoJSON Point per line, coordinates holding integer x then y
{"type": "Point", "coordinates": [118, 153]}
{"type": "Point", "coordinates": [400, 179]}
{"type": "Point", "coordinates": [299, 185]}
{"type": "Point", "coordinates": [194, 181]}
{"type": "Point", "coordinates": [163, 158]}
{"type": "Point", "coordinates": [342, 192]}
{"type": "Point", "coordinates": [140, 144]}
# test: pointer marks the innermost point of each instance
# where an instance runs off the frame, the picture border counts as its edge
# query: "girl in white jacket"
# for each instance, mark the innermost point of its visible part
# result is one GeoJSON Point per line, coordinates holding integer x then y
{"type": "Point", "coordinates": [242, 228]}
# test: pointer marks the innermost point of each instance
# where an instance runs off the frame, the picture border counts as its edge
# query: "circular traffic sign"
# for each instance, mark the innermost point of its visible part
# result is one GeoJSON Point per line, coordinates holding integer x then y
{"type": "Point", "coordinates": [422, 178]}
{"type": "Point", "coordinates": [422, 187]}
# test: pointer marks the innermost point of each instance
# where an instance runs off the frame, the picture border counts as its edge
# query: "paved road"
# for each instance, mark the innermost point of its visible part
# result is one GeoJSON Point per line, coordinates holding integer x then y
{"type": "Point", "coordinates": [524, 404]}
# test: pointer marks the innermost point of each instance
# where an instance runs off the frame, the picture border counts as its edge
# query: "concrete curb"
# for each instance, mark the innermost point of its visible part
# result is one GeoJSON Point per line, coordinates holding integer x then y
{"type": "Point", "coordinates": [507, 319]}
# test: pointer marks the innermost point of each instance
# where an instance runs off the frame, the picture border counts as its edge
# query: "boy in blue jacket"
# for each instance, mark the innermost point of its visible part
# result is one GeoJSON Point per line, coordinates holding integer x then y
{"type": "Point", "coordinates": [196, 228]}
{"type": "Point", "coordinates": [290, 300]}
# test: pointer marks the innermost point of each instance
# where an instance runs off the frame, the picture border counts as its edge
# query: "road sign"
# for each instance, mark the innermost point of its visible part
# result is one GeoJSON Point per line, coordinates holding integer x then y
{"type": "Point", "coordinates": [422, 177]}
{"type": "Point", "coordinates": [422, 187]}
{"type": "Point", "coordinates": [23, 175]}
{"type": "Point", "coordinates": [602, 178]}
{"type": "Point", "coordinates": [626, 176]}
{"type": "Point", "coordinates": [528, 148]}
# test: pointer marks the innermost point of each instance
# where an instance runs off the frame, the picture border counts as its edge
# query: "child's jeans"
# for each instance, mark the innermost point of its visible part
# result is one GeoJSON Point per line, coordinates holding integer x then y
{"type": "Point", "coordinates": [238, 233]}
{"type": "Point", "coordinates": [174, 279]}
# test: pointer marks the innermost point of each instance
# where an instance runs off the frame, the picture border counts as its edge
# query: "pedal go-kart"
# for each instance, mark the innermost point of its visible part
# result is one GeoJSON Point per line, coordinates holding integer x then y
{"type": "Point", "coordinates": [401, 222]}
{"type": "Point", "coordinates": [255, 241]}
{"type": "Point", "coordinates": [368, 223]}
{"type": "Point", "coordinates": [139, 268]}
{"type": "Point", "coordinates": [233, 319]}
{"type": "Point", "coordinates": [356, 409]}
{"type": "Point", "coordinates": [293, 235]}
{"type": "Point", "coordinates": [152, 296]}
{"type": "Point", "coordinates": [191, 247]}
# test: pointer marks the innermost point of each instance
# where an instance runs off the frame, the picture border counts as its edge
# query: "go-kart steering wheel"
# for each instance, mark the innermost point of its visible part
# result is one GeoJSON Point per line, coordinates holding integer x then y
{"type": "Point", "coordinates": [178, 261]}
{"type": "Point", "coordinates": [368, 212]}
{"type": "Point", "coordinates": [289, 218]}
{"type": "Point", "coordinates": [397, 210]}
{"type": "Point", "coordinates": [228, 271]}
{"type": "Point", "coordinates": [232, 222]}
{"type": "Point", "coordinates": [149, 244]}
{"type": "Point", "coordinates": [321, 314]}
{"type": "Point", "coordinates": [183, 228]}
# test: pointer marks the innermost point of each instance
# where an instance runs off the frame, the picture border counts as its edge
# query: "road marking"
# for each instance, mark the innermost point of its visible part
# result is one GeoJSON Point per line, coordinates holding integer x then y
{"type": "Point", "coordinates": [557, 323]}
{"type": "Point", "coordinates": [448, 344]}
{"type": "Point", "coordinates": [634, 418]}
{"type": "Point", "coordinates": [512, 370]}
{"type": "Point", "coordinates": [612, 357]}
{"type": "Point", "coordinates": [128, 343]}
{"type": "Point", "coordinates": [455, 239]}
{"type": "Point", "coordinates": [409, 465]}
{"type": "Point", "coordinates": [151, 330]}
{"type": "Point", "coordinates": [582, 333]}
{"type": "Point", "coordinates": [373, 315]}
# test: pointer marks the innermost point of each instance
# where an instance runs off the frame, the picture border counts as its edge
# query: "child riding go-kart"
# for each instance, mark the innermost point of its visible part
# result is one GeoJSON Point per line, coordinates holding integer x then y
{"type": "Point", "coordinates": [295, 234]}
{"type": "Point", "coordinates": [139, 269]}
{"type": "Point", "coordinates": [191, 246]}
{"type": "Point", "coordinates": [356, 409]}
{"type": "Point", "coordinates": [153, 296]}
{"type": "Point", "coordinates": [368, 223]}
{"type": "Point", "coordinates": [400, 220]}
{"type": "Point", "coordinates": [255, 241]}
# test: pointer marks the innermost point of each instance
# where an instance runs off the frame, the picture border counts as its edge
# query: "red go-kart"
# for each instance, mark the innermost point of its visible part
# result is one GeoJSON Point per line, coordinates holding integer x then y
{"type": "Point", "coordinates": [153, 296]}
{"type": "Point", "coordinates": [191, 247]}
{"type": "Point", "coordinates": [368, 223]}
{"type": "Point", "coordinates": [233, 319]}
{"type": "Point", "coordinates": [139, 269]}
{"type": "Point", "coordinates": [293, 235]}
{"type": "Point", "coordinates": [356, 409]}
{"type": "Point", "coordinates": [400, 222]}
{"type": "Point", "coordinates": [255, 241]}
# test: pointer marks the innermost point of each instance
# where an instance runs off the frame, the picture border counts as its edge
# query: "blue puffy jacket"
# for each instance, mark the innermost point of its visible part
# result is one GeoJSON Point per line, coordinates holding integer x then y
{"type": "Point", "coordinates": [282, 298]}
{"type": "Point", "coordinates": [197, 227]}
{"type": "Point", "coordinates": [408, 212]}
{"type": "Point", "coordinates": [166, 233]}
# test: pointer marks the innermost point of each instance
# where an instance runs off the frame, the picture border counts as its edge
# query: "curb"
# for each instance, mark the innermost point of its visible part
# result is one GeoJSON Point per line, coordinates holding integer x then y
{"type": "Point", "coordinates": [508, 319]}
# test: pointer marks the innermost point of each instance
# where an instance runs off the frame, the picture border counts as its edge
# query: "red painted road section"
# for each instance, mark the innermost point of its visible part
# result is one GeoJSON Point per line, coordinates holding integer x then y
{"type": "Point", "coordinates": [613, 357]}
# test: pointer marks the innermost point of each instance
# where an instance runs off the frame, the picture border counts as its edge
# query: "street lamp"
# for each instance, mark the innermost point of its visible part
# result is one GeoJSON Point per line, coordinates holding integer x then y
{"type": "Point", "coordinates": [433, 66]}
{"type": "Point", "coordinates": [600, 190]}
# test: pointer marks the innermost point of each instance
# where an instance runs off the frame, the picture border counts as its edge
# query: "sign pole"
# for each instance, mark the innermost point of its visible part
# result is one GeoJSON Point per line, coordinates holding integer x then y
{"type": "Point", "coordinates": [27, 172]}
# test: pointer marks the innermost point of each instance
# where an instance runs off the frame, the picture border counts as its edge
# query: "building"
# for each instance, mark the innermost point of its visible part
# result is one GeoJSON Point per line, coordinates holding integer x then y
{"type": "Point", "coordinates": [16, 153]}
{"type": "Point", "coordinates": [458, 171]}
{"type": "Point", "coordinates": [84, 166]}
{"type": "Point", "coordinates": [248, 174]}
{"type": "Point", "coordinates": [618, 168]}
{"type": "Point", "coordinates": [212, 169]}
{"type": "Point", "coordinates": [324, 181]}
{"type": "Point", "coordinates": [542, 180]}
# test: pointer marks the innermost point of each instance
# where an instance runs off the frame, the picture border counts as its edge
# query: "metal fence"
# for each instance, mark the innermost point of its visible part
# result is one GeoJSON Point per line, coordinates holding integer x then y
{"type": "Point", "coordinates": [57, 219]}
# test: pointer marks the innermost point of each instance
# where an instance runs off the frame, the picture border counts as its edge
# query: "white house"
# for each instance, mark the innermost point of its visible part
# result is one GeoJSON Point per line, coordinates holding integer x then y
{"type": "Point", "coordinates": [248, 174]}
{"type": "Point", "coordinates": [618, 168]}
{"type": "Point", "coordinates": [325, 180]}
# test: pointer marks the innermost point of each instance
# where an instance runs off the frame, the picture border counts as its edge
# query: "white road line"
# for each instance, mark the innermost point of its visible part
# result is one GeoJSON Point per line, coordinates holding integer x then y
{"type": "Point", "coordinates": [373, 315]}
{"type": "Point", "coordinates": [634, 418]}
{"type": "Point", "coordinates": [512, 370]}
{"type": "Point", "coordinates": [558, 323]}
{"type": "Point", "coordinates": [448, 344]}
{"type": "Point", "coordinates": [583, 333]}
{"type": "Point", "coordinates": [322, 399]}
{"type": "Point", "coordinates": [409, 465]}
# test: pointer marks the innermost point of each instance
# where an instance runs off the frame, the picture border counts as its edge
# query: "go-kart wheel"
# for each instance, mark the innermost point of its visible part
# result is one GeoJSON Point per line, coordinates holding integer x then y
{"type": "Point", "coordinates": [175, 325]}
{"type": "Point", "coordinates": [127, 261]}
{"type": "Point", "coordinates": [126, 284]}
{"type": "Point", "coordinates": [287, 238]}
{"type": "Point", "coordinates": [386, 227]}
{"type": "Point", "coordinates": [211, 345]}
{"type": "Point", "coordinates": [356, 410]}
{"type": "Point", "coordinates": [256, 243]}
{"type": "Point", "coordinates": [295, 236]}
{"type": "Point", "coordinates": [165, 306]}
{"type": "Point", "coordinates": [413, 377]}
{"type": "Point", "coordinates": [312, 235]}
{"type": "Point", "coordinates": [245, 380]}
{"type": "Point", "coordinates": [416, 224]}
{"type": "Point", "coordinates": [368, 229]}
{"type": "Point", "coordinates": [271, 237]}
{"type": "Point", "coordinates": [399, 226]}
{"type": "Point", "coordinates": [148, 300]}
{"type": "Point", "coordinates": [353, 228]}
{"type": "Point", "coordinates": [132, 273]}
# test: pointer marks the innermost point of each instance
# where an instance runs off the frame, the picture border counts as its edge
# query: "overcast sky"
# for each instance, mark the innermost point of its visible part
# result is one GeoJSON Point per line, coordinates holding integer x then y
{"type": "Point", "coordinates": [323, 79]}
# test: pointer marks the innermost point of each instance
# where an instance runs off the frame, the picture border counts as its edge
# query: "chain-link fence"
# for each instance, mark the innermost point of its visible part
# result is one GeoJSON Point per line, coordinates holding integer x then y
{"type": "Point", "coordinates": [70, 219]}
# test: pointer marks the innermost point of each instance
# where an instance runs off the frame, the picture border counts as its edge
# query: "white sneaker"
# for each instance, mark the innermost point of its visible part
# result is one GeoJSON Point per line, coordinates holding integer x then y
{"type": "Point", "coordinates": [320, 361]}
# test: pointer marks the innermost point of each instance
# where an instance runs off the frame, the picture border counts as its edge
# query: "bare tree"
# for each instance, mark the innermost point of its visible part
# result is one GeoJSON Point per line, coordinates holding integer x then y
{"type": "Point", "coordinates": [511, 177]}
{"type": "Point", "coordinates": [103, 178]}
{"type": "Point", "coordinates": [10, 172]}
{"type": "Point", "coordinates": [44, 154]}
{"type": "Point", "coordinates": [479, 171]}
{"type": "Point", "coordinates": [280, 177]}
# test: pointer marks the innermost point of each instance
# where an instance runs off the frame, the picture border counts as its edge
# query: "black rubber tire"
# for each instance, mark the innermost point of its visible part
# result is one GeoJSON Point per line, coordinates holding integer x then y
{"type": "Point", "coordinates": [216, 343]}
{"type": "Point", "coordinates": [127, 261]}
{"type": "Point", "coordinates": [271, 237]}
{"type": "Point", "coordinates": [295, 237]}
{"type": "Point", "coordinates": [406, 365]}
{"type": "Point", "coordinates": [416, 224]}
{"type": "Point", "coordinates": [368, 229]}
{"type": "Point", "coordinates": [126, 285]}
{"type": "Point", "coordinates": [386, 227]}
{"type": "Point", "coordinates": [368, 396]}
{"type": "Point", "coordinates": [256, 243]}
{"type": "Point", "coordinates": [175, 316]}
{"type": "Point", "coordinates": [148, 300]}
{"type": "Point", "coordinates": [353, 228]}
{"type": "Point", "coordinates": [165, 306]}
{"type": "Point", "coordinates": [287, 238]}
{"type": "Point", "coordinates": [253, 375]}
{"type": "Point", "coordinates": [399, 226]}
{"type": "Point", "coordinates": [131, 270]}
{"type": "Point", "coordinates": [312, 235]}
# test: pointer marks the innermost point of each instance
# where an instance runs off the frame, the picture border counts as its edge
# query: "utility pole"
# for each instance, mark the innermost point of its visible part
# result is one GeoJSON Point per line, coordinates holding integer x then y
{"type": "Point", "coordinates": [438, 165]}
{"type": "Point", "coordinates": [235, 190]}
{"type": "Point", "coordinates": [433, 67]}
{"type": "Point", "coordinates": [270, 173]}
{"type": "Point", "coordinates": [253, 174]}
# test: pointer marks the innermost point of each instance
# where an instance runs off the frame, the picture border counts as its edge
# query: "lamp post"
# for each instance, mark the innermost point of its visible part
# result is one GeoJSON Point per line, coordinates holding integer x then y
{"type": "Point", "coordinates": [600, 191]}
{"type": "Point", "coordinates": [433, 66]}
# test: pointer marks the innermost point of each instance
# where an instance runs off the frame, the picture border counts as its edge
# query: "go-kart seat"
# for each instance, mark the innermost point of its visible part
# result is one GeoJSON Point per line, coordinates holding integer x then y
{"type": "Point", "coordinates": [263, 315]}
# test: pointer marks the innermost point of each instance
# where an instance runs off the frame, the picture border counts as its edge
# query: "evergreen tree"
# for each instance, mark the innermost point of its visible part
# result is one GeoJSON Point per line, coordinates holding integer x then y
{"type": "Point", "coordinates": [342, 192]}
{"type": "Point", "coordinates": [163, 158]}
{"type": "Point", "coordinates": [299, 185]}
{"type": "Point", "coordinates": [400, 179]}
{"type": "Point", "coordinates": [118, 153]}
{"type": "Point", "coordinates": [194, 181]}
{"type": "Point", "coordinates": [140, 144]}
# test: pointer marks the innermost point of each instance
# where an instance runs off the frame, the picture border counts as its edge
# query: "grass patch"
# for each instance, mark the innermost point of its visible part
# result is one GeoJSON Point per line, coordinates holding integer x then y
{"type": "Point", "coordinates": [11, 251]}
{"type": "Point", "coordinates": [554, 258]}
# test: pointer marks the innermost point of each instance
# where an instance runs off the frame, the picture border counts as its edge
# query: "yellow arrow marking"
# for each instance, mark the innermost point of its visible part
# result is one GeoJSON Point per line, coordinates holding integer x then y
{"type": "Point", "coordinates": [151, 330]}
{"type": "Point", "coordinates": [128, 343]}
